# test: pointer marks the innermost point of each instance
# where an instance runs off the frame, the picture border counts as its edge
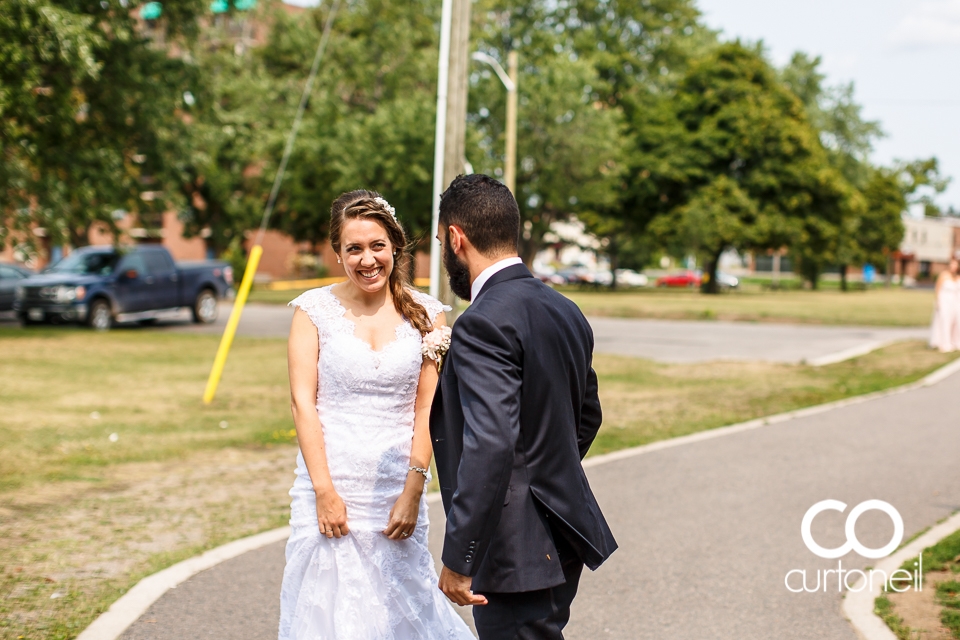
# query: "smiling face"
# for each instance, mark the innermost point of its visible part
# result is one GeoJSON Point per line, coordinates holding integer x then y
{"type": "Point", "coordinates": [367, 254]}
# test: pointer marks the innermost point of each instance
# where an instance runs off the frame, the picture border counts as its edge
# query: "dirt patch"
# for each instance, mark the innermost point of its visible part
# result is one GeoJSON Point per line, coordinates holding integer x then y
{"type": "Point", "coordinates": [77, 545]}
{"type": "Point", "coordinates": [920, 610]}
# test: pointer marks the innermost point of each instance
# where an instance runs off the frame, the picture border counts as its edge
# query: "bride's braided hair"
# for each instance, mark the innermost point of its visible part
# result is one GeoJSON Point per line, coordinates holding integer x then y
{"type": "Point", "coordinates": [369, 205]}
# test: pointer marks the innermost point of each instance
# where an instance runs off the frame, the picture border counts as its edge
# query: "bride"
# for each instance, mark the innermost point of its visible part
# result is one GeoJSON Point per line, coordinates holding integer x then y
{"type": "Point", "coordinates": [358, 567]}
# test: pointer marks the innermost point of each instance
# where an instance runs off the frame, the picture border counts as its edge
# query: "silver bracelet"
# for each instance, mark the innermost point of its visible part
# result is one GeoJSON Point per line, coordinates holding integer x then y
{"type": "Point", "coordinates": [421, 471]}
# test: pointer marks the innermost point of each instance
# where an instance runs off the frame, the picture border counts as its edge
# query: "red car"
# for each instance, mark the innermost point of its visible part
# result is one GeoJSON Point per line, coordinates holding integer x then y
{"type": "Point", "coordinates": [684, 279]}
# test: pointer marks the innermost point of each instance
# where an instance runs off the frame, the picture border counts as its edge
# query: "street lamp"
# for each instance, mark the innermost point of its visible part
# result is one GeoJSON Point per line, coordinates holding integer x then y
{"type": "Point", "coordinates": [510, 83]}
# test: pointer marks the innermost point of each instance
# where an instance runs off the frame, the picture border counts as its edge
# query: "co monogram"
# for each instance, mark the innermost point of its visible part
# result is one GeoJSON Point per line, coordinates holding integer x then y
{"type": "Point", "coordinates": [852, 543]}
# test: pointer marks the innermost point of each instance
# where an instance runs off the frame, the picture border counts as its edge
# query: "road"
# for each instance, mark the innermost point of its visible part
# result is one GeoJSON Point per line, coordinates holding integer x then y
{"type": "Point", "coordinates": [660, 340]}
{"type": "Point", "coordinates": [708, 530]}
{"type": "Point", "coordinates": [672, 341]}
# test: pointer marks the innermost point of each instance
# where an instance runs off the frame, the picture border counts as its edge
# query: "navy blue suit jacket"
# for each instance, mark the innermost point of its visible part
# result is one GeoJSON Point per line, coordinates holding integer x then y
{"type": "Point", "coordinates": [515, 412]}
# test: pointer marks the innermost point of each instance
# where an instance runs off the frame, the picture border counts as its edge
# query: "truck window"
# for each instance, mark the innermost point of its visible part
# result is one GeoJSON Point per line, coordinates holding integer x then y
{"type": "Point", "coordinates": [6, 273]}
{"type": "Point", "coordinates": [87, 264]}
{"type": "Point", "coordinates": [133, 261]}
{"type": "Point", "coordinates": [157, 262]}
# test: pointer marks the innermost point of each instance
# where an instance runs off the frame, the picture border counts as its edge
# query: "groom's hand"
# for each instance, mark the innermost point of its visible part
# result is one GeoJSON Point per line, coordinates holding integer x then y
{"type": "Point", "coordinates": [457, 588]}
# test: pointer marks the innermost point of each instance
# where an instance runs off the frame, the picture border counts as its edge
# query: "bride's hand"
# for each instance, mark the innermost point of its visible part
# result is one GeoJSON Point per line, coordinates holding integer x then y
{"type": "Point", "coordinates": [403, 516]}
{"type": "Point", "coordinates": [331, 514]}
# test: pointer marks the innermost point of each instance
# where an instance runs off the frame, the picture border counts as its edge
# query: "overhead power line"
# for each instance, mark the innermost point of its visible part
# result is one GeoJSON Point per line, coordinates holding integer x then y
{"type": "Point", "coordinates": [321, 48]}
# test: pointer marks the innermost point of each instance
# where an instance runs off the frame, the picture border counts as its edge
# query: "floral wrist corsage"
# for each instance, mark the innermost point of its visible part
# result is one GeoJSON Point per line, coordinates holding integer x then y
{"type": "Point", "coordinates": [436, 344]}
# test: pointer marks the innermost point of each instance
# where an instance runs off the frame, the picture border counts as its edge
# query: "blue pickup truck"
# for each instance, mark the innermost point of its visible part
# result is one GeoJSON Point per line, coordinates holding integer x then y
{"type": "Point", "coordinates": [102, 285]}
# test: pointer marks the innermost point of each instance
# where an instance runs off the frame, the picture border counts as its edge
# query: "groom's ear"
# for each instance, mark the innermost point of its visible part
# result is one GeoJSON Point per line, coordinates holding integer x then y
{"type": "Point", "coordinates": [456, 238]}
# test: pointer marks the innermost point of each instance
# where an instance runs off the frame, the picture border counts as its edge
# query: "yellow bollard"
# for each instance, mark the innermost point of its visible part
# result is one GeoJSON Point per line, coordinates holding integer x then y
{"type": "Point", "coordinates": [255, 252]}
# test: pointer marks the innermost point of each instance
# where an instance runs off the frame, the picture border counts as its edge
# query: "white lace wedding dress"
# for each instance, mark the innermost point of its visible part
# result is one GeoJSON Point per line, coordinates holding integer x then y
{"type": "Point", "coordinates": [362, 586]}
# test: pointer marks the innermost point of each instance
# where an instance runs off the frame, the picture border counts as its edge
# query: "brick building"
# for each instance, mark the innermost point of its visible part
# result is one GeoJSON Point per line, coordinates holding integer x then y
{"type": "Point", "coordinates": [927, 246]}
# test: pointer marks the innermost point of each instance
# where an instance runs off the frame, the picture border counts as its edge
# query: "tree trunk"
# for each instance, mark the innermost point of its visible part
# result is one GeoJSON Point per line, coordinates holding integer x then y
{"type": "Point", "coordinates": [528, 251]}
{"type": "Point", "coordinates": [613, 254]}
{"type": "Point", "coordinates": [711, 286]}
{"type": "Point", "coordinates": [80, 236]}
{"type": "Point", "coordinates": [810, 273]}
{"type": "Point", "coordinates": [843, 277]}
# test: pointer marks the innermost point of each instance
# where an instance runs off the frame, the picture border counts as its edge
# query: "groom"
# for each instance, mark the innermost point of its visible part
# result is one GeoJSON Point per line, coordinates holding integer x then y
{"type": "Point", "coordinates": [515, 412]}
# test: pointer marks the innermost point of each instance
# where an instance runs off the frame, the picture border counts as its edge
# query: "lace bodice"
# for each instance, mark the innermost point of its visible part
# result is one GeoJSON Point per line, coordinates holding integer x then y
{"type": "Point", "coordinates": [365, 398]}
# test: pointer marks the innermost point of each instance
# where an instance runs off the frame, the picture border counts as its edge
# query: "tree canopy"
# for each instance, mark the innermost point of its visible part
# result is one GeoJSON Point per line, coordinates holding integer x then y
{"type": "Point", "coordinates": [634, 117]}
{"type": "Point", "coordinates": [90, 112]}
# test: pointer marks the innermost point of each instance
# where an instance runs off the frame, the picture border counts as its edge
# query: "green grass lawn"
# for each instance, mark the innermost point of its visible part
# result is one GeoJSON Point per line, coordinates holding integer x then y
{"type": "Point", "coordinates": [645, 401]}
{"type": "Point", "coordinates": [83, 516]}
{"type": "Point", "coordinates": [65, 391]}
{"type": "Point", "coordinates": [876, 307]}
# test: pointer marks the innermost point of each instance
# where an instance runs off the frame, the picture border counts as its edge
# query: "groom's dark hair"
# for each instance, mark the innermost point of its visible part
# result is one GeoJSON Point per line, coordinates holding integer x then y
{"type": "Point", "coordinates": [486, 211]}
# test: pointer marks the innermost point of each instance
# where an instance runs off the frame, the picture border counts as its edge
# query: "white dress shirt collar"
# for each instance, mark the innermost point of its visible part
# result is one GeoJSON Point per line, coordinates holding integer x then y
{"type": "Point", "coordinates": [487, 273]}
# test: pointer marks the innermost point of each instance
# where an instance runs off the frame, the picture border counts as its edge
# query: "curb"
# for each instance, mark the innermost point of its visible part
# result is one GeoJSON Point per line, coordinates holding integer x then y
{"type": "Point", "coordinates": [125, 611]}
{"type": "Point", "coordinates": [849, 354]}
{"type": "Point", "coordinates": [111, 624]}
{"type": "Point", "coordinates": [858, 604]}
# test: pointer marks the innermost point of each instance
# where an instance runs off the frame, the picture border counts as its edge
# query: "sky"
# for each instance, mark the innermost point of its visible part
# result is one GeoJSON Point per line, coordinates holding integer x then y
{"type": "Point", "coordinates": [903, 58]}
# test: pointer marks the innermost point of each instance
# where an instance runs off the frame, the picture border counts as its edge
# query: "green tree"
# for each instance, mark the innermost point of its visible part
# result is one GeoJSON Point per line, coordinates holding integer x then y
{"type": "Point", "coordinates": [881, 230]}
{"type": "Point", "coordinates": [731, 161]}
{"type": "Point", "coordinates": [370, 119]}
{"type": "Point", "coordinates": [585, 64]}
{"type": "Point", "coordinates": [90, 113]}
{"type": "Point", "coordinates": [848, 139]}
{"type": "Point", "coordinates": [922, 183]}
{"type": "Point", "coordinates": [641, 50]}
{"type": "Point", "coordinates": [569, 144]}
{"type": "Point", "coordinates": [233, 123]}
{"type": "Point", "coordinates": [838, 119]}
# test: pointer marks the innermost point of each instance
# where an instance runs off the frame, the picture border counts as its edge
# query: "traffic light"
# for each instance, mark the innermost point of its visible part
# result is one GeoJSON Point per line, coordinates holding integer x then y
{"type": "Point", "coordinates": [222, 6]}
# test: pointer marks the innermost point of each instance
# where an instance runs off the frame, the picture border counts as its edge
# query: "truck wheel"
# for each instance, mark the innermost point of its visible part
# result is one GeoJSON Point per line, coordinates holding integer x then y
{"type": "Point", "coordinates": [26, 322]}
{"type": "Point", "coordinates": [205, 307]}
{"type": "Point", "coordinates": [100, 317]}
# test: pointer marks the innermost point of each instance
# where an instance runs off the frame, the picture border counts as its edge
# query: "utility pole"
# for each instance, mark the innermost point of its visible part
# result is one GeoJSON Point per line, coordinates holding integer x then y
{"type": "Point", "coordinates": [510, 163]}
{"type": "Point", "coordinates": [455, 126]}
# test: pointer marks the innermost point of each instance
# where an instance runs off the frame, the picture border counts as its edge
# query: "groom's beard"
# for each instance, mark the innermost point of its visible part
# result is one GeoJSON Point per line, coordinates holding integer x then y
{"type": "Point", "coordinates": [457, 273]}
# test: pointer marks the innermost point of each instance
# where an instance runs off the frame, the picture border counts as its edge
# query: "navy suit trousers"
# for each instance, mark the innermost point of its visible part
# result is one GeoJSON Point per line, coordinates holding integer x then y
{"type": "Point", "coordinates": [532, 615]}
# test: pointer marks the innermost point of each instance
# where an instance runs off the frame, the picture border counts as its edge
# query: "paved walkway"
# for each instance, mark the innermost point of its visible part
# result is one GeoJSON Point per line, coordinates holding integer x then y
{"type": "Point", "coordinates": [707, 530]}
{"type": "Point", "coordinates": [661, 340]}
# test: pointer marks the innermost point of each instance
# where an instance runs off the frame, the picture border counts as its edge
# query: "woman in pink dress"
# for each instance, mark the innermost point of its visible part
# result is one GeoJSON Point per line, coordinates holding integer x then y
{"type": "Point", "coordinates": [945, 333]}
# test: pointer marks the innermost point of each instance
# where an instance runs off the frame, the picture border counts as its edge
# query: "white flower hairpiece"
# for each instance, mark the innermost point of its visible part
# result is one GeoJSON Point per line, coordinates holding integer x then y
{"type": "Point", "coordinates": [386, 206]}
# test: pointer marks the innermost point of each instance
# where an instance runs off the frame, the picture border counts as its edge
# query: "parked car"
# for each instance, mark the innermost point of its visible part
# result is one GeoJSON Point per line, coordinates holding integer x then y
{"type": "Point", "coordinates": [547, 275]}
{"type": "Point", "coordinates": [11, 276]}
{"type": "Point", "coordinates": [101, 285]}
{"type": "Point", "coordinates": [571, 275]}
{"type": "Point", "coordinates": [600, 278]}
{"type": "Point", "coordinates": [727, 281]}
{"type": "Point", "coordinates": [630, 278]}
{"type": "Point", "coordinates": [683, 279]}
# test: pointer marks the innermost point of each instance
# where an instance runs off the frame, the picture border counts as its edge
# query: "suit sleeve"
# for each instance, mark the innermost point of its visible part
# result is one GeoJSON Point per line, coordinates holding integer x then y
{"type": "Point", "coordinates": [489, 379]}
{"type": "Point", "coordinates": [590, 414]}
